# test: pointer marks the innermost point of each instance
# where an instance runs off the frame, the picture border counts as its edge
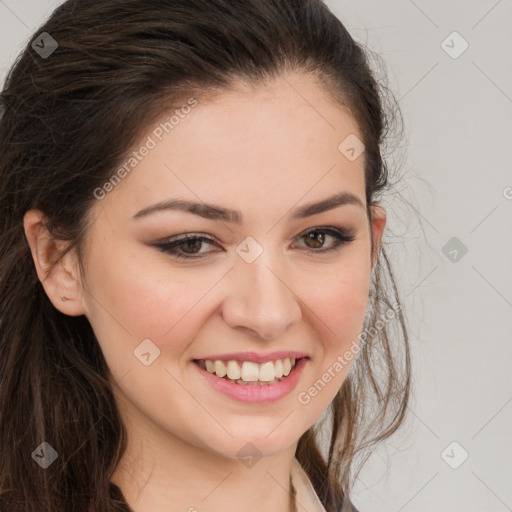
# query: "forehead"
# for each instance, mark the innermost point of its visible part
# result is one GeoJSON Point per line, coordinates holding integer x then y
{"type": "Point", "coordinates": [267, 145]}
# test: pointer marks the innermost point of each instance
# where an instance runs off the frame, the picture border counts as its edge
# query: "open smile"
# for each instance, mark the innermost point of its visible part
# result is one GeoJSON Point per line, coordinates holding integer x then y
{"type": "Point", "coordinates": [249, 381]}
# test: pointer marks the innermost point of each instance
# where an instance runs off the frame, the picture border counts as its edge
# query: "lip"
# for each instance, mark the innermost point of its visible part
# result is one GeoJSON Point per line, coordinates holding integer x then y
{"type": "Point", "coordinates": [253, 356]}
{"type": "Point", "coordinates": [255, 394]}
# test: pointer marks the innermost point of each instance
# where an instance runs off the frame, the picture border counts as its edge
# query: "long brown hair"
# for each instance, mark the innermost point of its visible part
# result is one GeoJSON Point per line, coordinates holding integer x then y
{"type": "Point", "coordinates": [67, 121]}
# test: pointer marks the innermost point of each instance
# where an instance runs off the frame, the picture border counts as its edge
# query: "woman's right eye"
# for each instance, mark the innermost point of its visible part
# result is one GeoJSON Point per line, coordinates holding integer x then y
{"type": "Point", "coordinates": [173, 247]}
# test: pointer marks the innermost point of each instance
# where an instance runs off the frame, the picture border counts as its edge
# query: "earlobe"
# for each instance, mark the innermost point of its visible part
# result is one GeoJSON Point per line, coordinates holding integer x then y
{"type": "Point", "coordinates": [61, 283]}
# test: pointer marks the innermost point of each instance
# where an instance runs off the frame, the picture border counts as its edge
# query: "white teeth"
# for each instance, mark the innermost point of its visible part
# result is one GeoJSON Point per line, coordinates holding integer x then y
{"type": "Point", "coordinates": [267, 371]}
{"type": "Point", "coordinates": [234, 370]}
{"type": "Point", "coordinates": [250, 372]}
{"type": "Point", "coordinates": [220, 369]}
{"type": "Point", "coordinates": [287, 366]}
{"type": "Point", "coordinates": [278, 369]}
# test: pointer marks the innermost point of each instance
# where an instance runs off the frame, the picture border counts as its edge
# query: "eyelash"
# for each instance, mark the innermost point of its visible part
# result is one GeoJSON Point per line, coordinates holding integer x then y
{"type": "Point", "coordinates": [341, 237]}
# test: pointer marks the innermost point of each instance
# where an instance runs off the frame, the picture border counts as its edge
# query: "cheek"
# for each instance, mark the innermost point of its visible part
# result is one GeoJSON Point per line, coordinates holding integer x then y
{"type": "Point", "coordinates": [339, 314]}
{"type": "Point", "coordinates": [135, 297]}
{"type": "Point", "coordinates": [341, 303]}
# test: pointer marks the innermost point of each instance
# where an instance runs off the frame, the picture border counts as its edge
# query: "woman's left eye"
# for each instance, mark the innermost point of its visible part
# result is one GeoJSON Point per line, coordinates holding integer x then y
{"type": "Point", "coordinates": [191, 242]}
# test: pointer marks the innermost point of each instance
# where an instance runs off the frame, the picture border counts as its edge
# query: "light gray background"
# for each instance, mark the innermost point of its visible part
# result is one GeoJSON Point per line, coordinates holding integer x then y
{"type": "Point", "coordinates": [457, 183]}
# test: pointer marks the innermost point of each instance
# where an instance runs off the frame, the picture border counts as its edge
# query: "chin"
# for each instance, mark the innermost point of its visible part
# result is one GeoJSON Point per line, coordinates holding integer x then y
{"type": "Point", "coordinates": [252, 445]}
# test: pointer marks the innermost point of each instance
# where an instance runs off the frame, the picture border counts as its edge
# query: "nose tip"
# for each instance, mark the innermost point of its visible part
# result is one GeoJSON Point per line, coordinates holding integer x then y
{"type": "Point", "coordinates": [263, 307]}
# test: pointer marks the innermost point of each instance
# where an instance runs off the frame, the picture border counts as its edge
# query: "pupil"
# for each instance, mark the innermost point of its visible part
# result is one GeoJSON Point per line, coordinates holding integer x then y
{"type": "Point", "coordinates": [321, 235]}
{"type": "Point", "coordinates": [190, 244]}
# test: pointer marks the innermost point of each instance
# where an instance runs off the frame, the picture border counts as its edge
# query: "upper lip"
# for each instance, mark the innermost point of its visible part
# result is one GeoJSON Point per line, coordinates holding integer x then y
{"type": "Point", "coordinates": [254, 356]}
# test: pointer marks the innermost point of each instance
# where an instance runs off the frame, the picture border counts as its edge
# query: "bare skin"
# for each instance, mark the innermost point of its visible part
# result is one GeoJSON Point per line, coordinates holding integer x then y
{"type": "Point", "coordinates": [266, 152]}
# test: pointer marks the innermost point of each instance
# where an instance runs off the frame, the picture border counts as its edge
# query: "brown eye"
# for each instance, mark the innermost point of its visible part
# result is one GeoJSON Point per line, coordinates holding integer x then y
{"type": "Point", "coordinates": [190, 246]}
{"type": "Point", "coordinates": [185, 247]}
{"type": "Point", "coordinates": [315, 239]}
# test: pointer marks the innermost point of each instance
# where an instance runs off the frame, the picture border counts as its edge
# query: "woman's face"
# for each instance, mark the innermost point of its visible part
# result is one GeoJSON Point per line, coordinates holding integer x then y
{"type": "Point", "coordinates": [256, 289]}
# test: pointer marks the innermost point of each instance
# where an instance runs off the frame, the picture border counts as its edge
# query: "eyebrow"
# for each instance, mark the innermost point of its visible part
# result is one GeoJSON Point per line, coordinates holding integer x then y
{"type": "Point", "coordinates": [214, 212]}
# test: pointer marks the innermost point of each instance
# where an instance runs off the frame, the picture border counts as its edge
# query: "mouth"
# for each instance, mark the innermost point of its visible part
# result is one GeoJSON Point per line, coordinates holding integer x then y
{"type": "Point", "coordinates": [251, 373]}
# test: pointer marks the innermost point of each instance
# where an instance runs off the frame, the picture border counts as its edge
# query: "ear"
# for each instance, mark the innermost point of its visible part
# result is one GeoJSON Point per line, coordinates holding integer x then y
{"type": "Point", "coordinates": [62, 284]}
{"type": "Point", "coordinates": [378, 223]}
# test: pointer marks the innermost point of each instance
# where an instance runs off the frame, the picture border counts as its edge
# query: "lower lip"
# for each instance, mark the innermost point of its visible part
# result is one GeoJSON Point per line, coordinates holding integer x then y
{"type": "Point", "coordinates": [256, 394]}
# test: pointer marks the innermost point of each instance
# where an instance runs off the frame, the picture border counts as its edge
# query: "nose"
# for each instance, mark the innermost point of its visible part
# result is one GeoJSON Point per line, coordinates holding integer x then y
{"type": "Point", "coordinates": [260, 301]}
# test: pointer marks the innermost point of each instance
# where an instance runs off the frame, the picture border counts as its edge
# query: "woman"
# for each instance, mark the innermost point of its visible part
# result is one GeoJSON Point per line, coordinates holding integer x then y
{"type": "Point", "coordinates": [177, 331]}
